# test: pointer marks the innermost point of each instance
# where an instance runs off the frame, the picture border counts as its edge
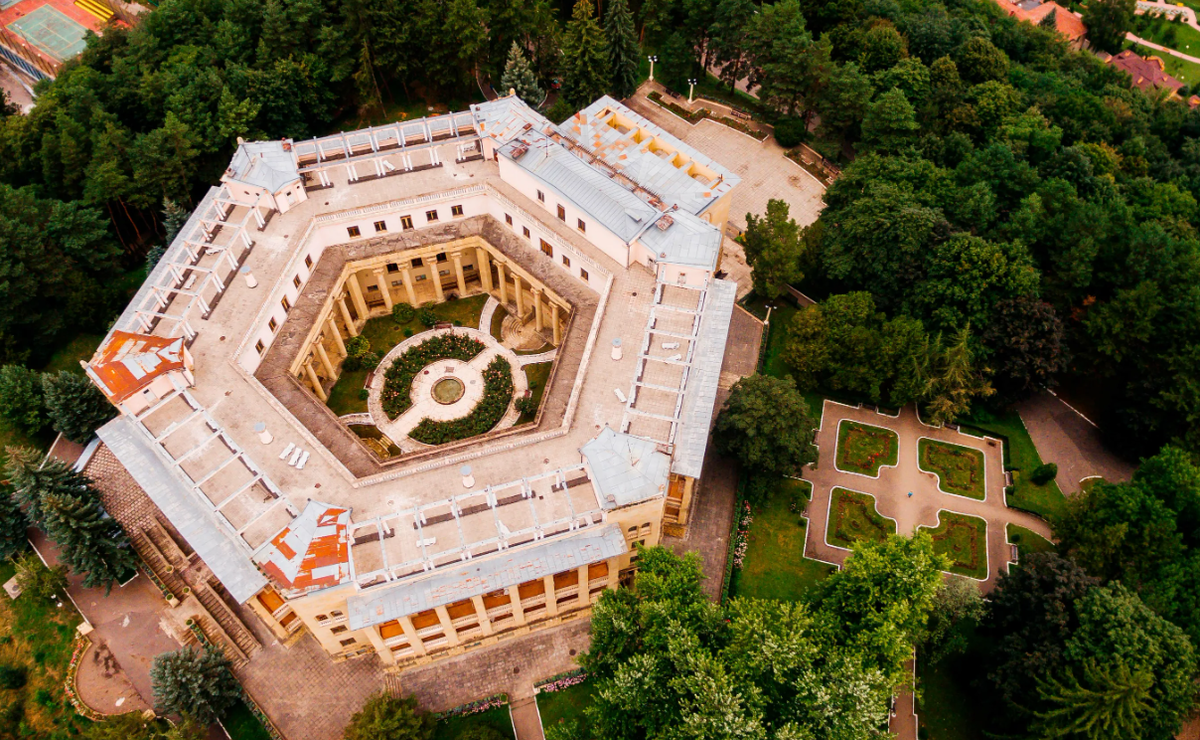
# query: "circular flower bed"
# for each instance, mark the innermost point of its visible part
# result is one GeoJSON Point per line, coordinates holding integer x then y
{"type": "Point", "coordinates": [497, 395]}
{"type": "Point", "coordinates": [397, 379]}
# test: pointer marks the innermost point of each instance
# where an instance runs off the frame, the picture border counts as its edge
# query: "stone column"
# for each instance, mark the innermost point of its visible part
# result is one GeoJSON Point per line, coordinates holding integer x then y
{"type": "Point", "coordinates": [350, 328]}
{"type": "Point", "coordinates": [316, 382]}
{"type": "Point", "coordinates": [554, 322]}
{"type": "Point", "coordinates": [514, 598]}
{"type": "Point", "coordinates": [337, 336]}
{"type": "Point", "coordinates": [551, 599]}
{"type": "Point", "coordinates": [356, 295]}
{"type": "Point", "coordinates": [458, 274]}
{"type": "Point", "coordinates": [447, 625]}
{"type": "Point", "coordinates": [384, 288]}
{"type": "Point", "coordinates": [614, 573]}
{"type": "Point", "coordinates": [406, 278]}
{"type": "Point", "coordinates": [583, 586]}
{"type": "Point", "coordinates": [410, 632]}
{"type": "Point", "coordinates": [376, 640]}
{"type": "Point", "coordinates": [537, 307]}
{"type": "Point", "coordinates": [481, 611]}
{"type": "Point", "coordinates": [436, 276]}
{"type": "Point", "coordinates": [520, 298]}
{"type": "Point", "coordinates": [484, 266]}
{"type": "Point", "coordinates": [324, 358]}
{"type": "Point", "coordinates": [503, 282]}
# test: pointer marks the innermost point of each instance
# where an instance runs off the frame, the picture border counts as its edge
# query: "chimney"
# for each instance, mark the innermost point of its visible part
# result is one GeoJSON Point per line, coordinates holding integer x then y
{"type": "Point", "coordinates": [616, 348]}
{"type": "Point", "coordinates": [251, 281]}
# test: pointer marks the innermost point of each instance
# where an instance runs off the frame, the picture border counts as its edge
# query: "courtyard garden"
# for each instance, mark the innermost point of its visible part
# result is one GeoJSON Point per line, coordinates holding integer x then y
{"type": "Point", "coordinates": [564, 707]}
{"type": "Point", "coordinates": [1027, 541]}
{"type": "Point", "coordinates": [959, 469]}
{"type": "Point", "coordinates": [537, 376]}
{"type": "Point", "coordinates": [497, 396]}
{"type": "Point", "coordinates": [498, 719]}
{"type": "Point", "coordinates": [398, 377]}
{"type": "Point", "coordinates": [1022, 459]}
{"type": "Point", "coordinates": [962, 539]}
{"type": "Point", "coordinates": [864, 449]}
{"type": "Point", "coordinates": [774, 566]}
{"type": "Point", "coordinates": [852, 517]}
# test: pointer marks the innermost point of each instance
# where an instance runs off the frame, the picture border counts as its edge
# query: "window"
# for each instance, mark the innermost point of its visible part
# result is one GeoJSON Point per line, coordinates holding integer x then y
{"type": "Point", "coordinates": [287, 305]}
{"type": "Point", "coordinates": [431, 216]}
{"type": "Point", "coordinates": [393, 267]}
{"type": "Point", "coordinates": [339, 629]}
{"type": "Point", "coordinates": [273, 324]}
{"type": "Point", "coordinates": [441, 257]}
{"type": "Point", "coordinates": [347, 641]}
{"type": "Point", "coordinates": [419, 278]}
{"type": "Point", "coordinates": [541, 197]}
{"type": "Point", "coordinates": [322, 617]}
{"type": "Point", "coordinates": [443, 272]}
{"type": "Point", "coordinates": [380, 226]}
{"type": "Point", "coordinates": [562, 213]}
{"type": "Point", "coordinates": [566, 261]}
{"type": "Point", "coordinates": [352, 231]}
{"type": "Point", "coordinates": [525, 231]}
{"type": "Point", "coordinates": [397, 282]}
{"type": "Point", "coordinates": [260, 346]}
{"type": "Point", "coordinates": [547, 249]}
{"type": "Point", "coordinates": [583, 274]}
{"type": "Point", "coordinates": [406, 222]}
{"type": "Point", "coordinates": [335, 613]}
{"type": "Point", "coordinates": [296, 281]}
{"type": "Point", "coordinates": [456, 210]}
{"type": "Point", "coordinates": [579, 224]}
{"type": "Point", "coordinates": [417, 262]}
{"type": "Point", "coordinates": [508, 219]}
{"type": "Point", "coordinates": [308, 261]}
{"type": "Point", "coordinates": [372, 288]}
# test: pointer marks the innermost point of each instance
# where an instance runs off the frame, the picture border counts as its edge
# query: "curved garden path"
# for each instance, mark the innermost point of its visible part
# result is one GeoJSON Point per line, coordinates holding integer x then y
{"type": "Point", "coordinates": [891, 488]}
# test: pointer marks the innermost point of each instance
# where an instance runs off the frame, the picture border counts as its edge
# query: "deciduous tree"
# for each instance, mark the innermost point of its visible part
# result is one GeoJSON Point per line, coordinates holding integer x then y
{"type": "Point", "coordinates": [773, 249]}
{"type": "Point", "coordinates": [765, 424]}
{"type": "Point", "coordinates": [1107, 22]}
{"type": "Point", "coordinates": [387, 717]}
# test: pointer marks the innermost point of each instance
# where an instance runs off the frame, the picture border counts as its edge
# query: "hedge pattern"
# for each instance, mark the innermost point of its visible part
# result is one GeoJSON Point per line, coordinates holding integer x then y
{"type": "Point", "coordinates": [497, 396]}
{"type": "Point", "coordinates": [397, 379]}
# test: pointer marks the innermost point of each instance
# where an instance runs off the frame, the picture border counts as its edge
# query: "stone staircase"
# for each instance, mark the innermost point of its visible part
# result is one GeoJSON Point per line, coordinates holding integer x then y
{"type": "Point", "coordinates": [239, 641]}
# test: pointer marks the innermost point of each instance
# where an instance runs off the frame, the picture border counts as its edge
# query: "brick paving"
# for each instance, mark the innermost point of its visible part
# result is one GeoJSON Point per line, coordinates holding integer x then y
{"type": "Point", "coordinates": [1064, 437]}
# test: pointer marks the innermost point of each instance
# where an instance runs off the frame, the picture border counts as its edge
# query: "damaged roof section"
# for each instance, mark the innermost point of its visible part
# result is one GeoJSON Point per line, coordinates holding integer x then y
{"type": "Point", "coordinates": [129, 362]}
{"type": "Point", "coordinates": [312, 552]}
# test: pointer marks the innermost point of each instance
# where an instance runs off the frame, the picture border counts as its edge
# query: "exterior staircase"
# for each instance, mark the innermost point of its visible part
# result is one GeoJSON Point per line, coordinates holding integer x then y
{"type": "Point", "coordinates": [230, 627]}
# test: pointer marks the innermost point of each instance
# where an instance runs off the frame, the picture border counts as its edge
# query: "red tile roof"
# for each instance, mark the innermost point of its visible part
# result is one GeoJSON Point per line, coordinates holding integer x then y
{"type": "Point", "coordinates": [1147, 72]}
{"type": "Point", "coordinates": [1066, 22]}
{"type": "Point", "coordinates": [128, 362]}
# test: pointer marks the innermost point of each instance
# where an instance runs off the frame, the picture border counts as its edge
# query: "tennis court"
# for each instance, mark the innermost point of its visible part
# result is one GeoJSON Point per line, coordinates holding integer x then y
{"type": "Point", "coordinates": [51, 32]}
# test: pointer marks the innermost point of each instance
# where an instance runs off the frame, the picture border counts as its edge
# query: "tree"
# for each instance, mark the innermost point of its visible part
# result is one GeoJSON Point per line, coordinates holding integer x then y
{"type": "Point", "coordinates": [890, 122]}
{"type": "Point", "coordinates": [30, 479]}
{"type": "Point", "coordinates": [387, 717]}
{"type": "Point", "coordinates": [1050, 20]}
{"type": "Point", "coordinates": [883, 48]}
{"type": "Point", "coordinates": [1026, 346]}
{"type": "Point", "coordinates": [954, 380]}
{"type": "Point", "coordinates": [843, 102]}
{"type": "Point", "coordinates": [197, 684]}
{"type": "Point", "coordinates": [39, 582]}
{"type": "Point", "coordinates": [766, 425]}
{"type": "Point", "coordinates": [789, 66]}
{"type": "Point", "coordinates": [7, 107]}
{"type": "Point", "coordinates": [14, 525]}
{"type": "Point", "coordinates": [133, 726]}
{"type": "Point", "coordinates": [980, 61]}
{"type": "Point", "coordinates": [91, 543]}
{"type": "Point", "coordinates": [1107, 22]}
{"type": "Point", "coordinates": [75, 406]}
{"type": "Point", "coordinates": [773, 249]}
{"type": "Point", "coordinates": [622, 49]}
{"type": "Point", "coordinates": [21, 400]}
{"type": "Point", "coordinates": [1110, 702]}
{"type": "Point", "coordinates": [958, 604]}
{"type": "Point", "coordinates": [585, 66]}
{"type": "Point", "coordinates": [519, 77]}
{"type": "Point", "coordinates": [727, 47]}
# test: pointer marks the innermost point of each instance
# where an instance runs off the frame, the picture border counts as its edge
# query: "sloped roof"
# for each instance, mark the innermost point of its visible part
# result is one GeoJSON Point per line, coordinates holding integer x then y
{"type": "Point", "coordinates": [311, 552]}
{"type": "Point", "coordinates": [507, 117]}
{"type": "Point", "coordinates": [128, 362]}
{"type": "Point", "coordinates": [1147, 72]}
{"type": "Point", "coordinates": [689, 240]}
{"type": "Point", "coordinates": [625, 469]}
{"type": "Point", "coordinates": [704, 377]}
{"type": "Point", "coordinates": [265, 164]}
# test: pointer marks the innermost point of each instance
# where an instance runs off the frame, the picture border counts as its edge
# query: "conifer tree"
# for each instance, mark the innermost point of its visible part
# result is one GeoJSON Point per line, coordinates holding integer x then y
{"type": "Point", "coordinates": [13, 524]}
{"type": "Point", "coordinates": [21, 399]}
{"type": "Point", "coordinates": [91, 542]}
{"type": "Point", "coordinates": [585, 65]}
{"type": "Point", "coordinates": [75, 406]}
{"type": "Point", "coordinates": [622, 48]}
{"type": "Point", "coordinates": [518, 76]}
{"type": "Point", "coordinates": [194, 683]}
{"type": "Point", "coordinates": [30, 480]}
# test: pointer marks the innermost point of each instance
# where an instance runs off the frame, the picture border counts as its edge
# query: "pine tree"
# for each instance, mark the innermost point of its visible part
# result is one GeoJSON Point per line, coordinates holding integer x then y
{"type": "Point", "coordinates": [76, 407]}
{"type": "Point", "coordinates": [13, 524]}
{"type": "Point", "coordinates": [585, 66]}
{"type": "Point", "coordinates": [21, 399]}
{"type": "Point", "coordinates": [1050, 21]}
{"type": "Point", "coordinates": [518, 76]}
{"type": "Point", "coordinates": [31, 480]}
{"type": "Point", "coordinates": [174, 218]}
{"type": "Point", "coordinates": [90, 541]}
{"type": "Point", "coordinates": [194, 683]}
{"type": "Point", "coordinates": [621, 48]}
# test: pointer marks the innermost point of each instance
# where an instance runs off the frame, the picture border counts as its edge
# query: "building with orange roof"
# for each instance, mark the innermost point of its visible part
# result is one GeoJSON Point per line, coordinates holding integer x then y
{"type": "Point", "coordinates": [128, 363]}
{"type": "Point", "coordinates": [1147, 73]}
{"type": "Point", "coordinates": [1068, 24]}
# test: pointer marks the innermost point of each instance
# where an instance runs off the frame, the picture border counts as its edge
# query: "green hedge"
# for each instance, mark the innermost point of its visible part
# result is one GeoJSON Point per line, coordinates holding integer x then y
{"type": "Point", "coordinates": [497, 396]}
{"type": "Point", "coordinates": [397, 379]}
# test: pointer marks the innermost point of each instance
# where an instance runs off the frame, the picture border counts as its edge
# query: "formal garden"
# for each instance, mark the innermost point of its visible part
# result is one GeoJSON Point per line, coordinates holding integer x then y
{"type": "Point", "coordinates": [962, 539]}
{"type": "Point", "coordinates": [561, 702]}
{"type": "Point", "coordinates": [864, 449]}
{"type": "Point", "coordinates": [490, 723]}
{"type": "Point", "coordinates": [1027, 541]}
{"type": "Point", "coordinates": [959, 469]}
{"type": "Point", "coordinates": [773, 565]}
{"type": "Point", "coordinates": [853, 517]}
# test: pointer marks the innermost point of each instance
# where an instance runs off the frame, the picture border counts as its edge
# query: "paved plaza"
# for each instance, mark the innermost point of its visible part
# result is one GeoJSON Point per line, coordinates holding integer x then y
{"type": "Point", "coordinates": [893, 484]}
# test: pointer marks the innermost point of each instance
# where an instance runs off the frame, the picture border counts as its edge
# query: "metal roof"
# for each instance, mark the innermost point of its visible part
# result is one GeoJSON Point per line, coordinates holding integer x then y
{"type": "Point", "coordinates": [127, 362]}
{"type": "Point", "coordinates": [689, 241]}
{"type": "Point", "coordinates": [483, 575]}
{"type": "Point", "coordinates": [219, 549]}
{"type": "Point", "coordinates": [625, 469]}
{"type": "Point", "coordinates": [313, 551]}
{"type": "Point", "coordinates": [265, 164]}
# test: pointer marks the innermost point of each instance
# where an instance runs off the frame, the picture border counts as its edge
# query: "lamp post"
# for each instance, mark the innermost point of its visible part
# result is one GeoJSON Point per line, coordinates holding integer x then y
{"type": "Point", "coordinates": [652, 59]}
{"type": "Point", "coordinates": [691, 87]}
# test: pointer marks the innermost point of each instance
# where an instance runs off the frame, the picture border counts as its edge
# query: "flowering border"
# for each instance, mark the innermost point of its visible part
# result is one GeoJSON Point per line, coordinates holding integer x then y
{"type": "Point", "coordinates": [561, 681]}
{"type": "Point", "coordinates": [745, 517]}
{"type": "Point", "coordinates": [475, 707]}
{"type": "Point", "coordinates": [82, 643]}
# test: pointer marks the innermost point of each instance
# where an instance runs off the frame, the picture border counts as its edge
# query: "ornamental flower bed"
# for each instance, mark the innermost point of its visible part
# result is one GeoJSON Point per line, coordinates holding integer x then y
{"type": "Point", "coordinates": [743, 535]}
{"type": "Point", "coordinates": [562, 681]}
{"type": "Point", "coordinates": [81, 644]}
{"type": "Point", "coordinates": [497, 396]}
{"type": "Point", "coordinates": [475, 707]}
{"type": "Point", "coordinates": [397, 380]}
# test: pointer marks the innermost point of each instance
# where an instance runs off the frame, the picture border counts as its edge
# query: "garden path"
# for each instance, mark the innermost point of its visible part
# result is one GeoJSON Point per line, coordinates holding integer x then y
{"type": "Point", "coordinates": [891, 488]}
{"type": "Point", "coordinates": [485, 317]}
{"type": "Point", "coordinates": [1065, 437]}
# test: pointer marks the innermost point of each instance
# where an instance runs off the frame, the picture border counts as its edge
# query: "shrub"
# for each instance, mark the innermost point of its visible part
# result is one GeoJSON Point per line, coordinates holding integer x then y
{"type": "Point", "coordinates": [39, 582]}
{"type": "Point", "coordinates": [384, 717]}
{"type": "Point", "coordinates": [497, 396]}
{"type": "Point", "coordinates": [363, 394]}
{"type": "Point", "coordinates": [790, 132]}
{"type": "Point", "coordinates": [352, 363]}
{"type": "Point", "coordinates": [408, 332]}
{"type": "Point", "coordinates": [1043, 474]}
{"type": "Point", "coordinates": [397, 379]}
{"type": "Point", "coordinates": [12, 676]}
{"type": "Point", "coordinates": [526, 405]}
{"type": "Point", "coordinates": [428, 317]}
{"type": "Point", "coordinates": [479, 732]}
{"type": "Point", "coordinates": [369, 360]}
{"type": "Point", "coordinates": [357, 346]}
{"type": "Point", "coordinates": [44, 698]}
{"type": "Point", "coordinates": [402, 313]}
{"type": "Point", "coordinates": [195, 683]}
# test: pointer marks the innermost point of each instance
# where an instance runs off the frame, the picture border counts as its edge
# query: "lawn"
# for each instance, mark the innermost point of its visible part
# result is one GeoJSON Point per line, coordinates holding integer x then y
{"type": "Point", "coordinates": [953, 700]}
{"type": "Point", "coordinates": [537, 375]}
{"type": "Point", "coordinates": [962, 539]}
{"type": "Point", "coordinates": [498, 719]}
{"type": "Point", "coordinates": [1021, 457]}
{"type": "Point", "coordinates": [241, 724]}
{"type": "Point", "coordinates": [774, 566]}
{"type": "Point", "coordinates": [959, 469]}
{"type": "Point", "coordinates": [37, 638]}
{"type": "Point", "coordinates": [1027, 541]}
{"type": "Point", "coordinates": [852, 517]}
{"type": "Point", "coordinates": [864, 449]}
{"type": "Point", "coordinates": [565, 705]}
{"type": "Point", "coordinates": [781, 316]}
{"type": "Point", "coordinates": [384, 333]}
{"type": "Point", "coordinates": [67, 357]}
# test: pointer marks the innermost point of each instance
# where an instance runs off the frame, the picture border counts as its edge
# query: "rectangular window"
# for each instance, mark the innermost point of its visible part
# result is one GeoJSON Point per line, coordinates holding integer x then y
{"type": "Point", "coordinates": [419, 278]}
{"type": "Point", "coordinates": [581, 225]}
{"type": "Point", "coordinates": [296, 281]}
{"type": "Point", "coordinates": [441, 257]}
{"type": "Point", "coordinates": [397, 282]}
{"type": "Point", "coordinates": [352, 231]}
{"type": "Point", "coordinates": [562, 213]}
{"type": "Point", "coordinates": [431, 216]}
{"type": "Point", "coordinates": [393, 267]}
{"type": "Point", "coordinates": [380, 226]}
{"type": "Point", "coordinates": [547, 249]}
{"type": "Point", "coordinates": [525, 231]}
{"type": "Point", "coordinates": [273, 324]}
{"type": "Point", "coordinates": [417, 262]}
{"type": "Point", "coordinates": [443, 272]}
{"type": "Point", "coordinates": [372, 288]}
{"type": "Point", "coordinates": [508, 219]}
{"type": "Point", "coordinates": [583, 274]}
{"type": "Point", "coordinates": [347, 641]}
{"type": "Point", "coordinates": [287, 305]}
{"type": "Point", "coordinates": [406, 222]}
{"type": "Point", "coordinates": [308, 261]}
{"type": "Point", "coordinates": [541, 197]}
{"type": "Point", "coordinates": [566, 261]}
{"type": "Point", "coordinates": [260, 346]}
{"type": "Point", "coordinates": [339, 629]}
{"type": "Point", "coordinates": [456, 210]}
